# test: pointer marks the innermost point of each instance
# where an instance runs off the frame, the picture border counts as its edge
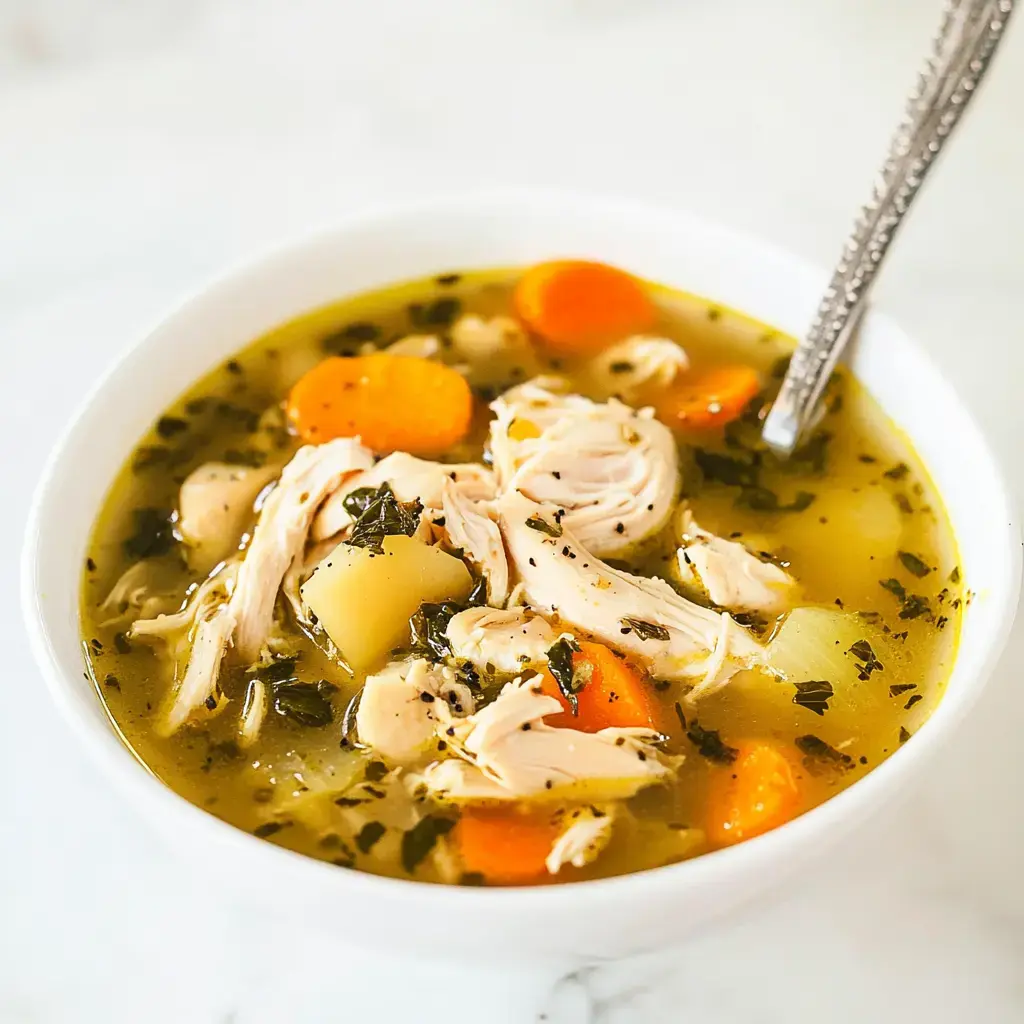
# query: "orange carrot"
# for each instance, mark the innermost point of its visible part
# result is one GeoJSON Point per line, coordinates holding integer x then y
{"type": "Point", "coordinates": [756, 793]}
{"type": "Point", "coordinates": [392, 402]}
{"type": "Point", "coordinates": [615, 695]}
{"type": "Point", "coordinates": [507, 847]}
{"type": "Point", "coordinates": [579, 307]}
{"type": "Point", "coordinates": [710, 398]}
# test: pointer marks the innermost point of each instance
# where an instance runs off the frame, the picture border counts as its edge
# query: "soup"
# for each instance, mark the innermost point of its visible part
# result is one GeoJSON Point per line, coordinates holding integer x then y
{"type": "Point", "coordinates": [488, 579]}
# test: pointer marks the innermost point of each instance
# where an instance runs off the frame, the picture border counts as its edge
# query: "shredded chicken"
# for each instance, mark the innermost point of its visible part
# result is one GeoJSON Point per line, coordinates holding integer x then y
{"type": "Point", "coordinates": [471, 530]}
{"type": "Point", "coordinates": [613, 470]}
{"type": "Point", "coordinates": [253, 713]}
{"type": "Point", "coordinates": [419, 346]}
{"type": "Point", "coordinates": [215, 505]}
{"type": "Point", "coordinates": [638, 363]}
{"type": "Point", "coordinates": [478, 340]}
{"type": "Point", "coordinates": [506, 641]}
{"type": "Point", "coordinates": [132, 595]}
{"type": "Point", "coordinates": [673, 637]}
{"type": "Point", "coordinates": [200, 603]}
{"type": "Point", "coordinates": [507, 752]}
{"type": "Point", "coordinates": [401, 707]}
{"type": "Point", "coordinates": [280, 534]}
{"type": "Point", "coordinates": [731, 575]}
{"type": "Point", "coordinates": [411, 479]}
{"type": "Point", "coordinates": [587, 833]}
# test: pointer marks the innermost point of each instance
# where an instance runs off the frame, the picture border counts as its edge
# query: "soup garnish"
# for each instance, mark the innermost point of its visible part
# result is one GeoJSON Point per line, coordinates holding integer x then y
{"type": "Point", "coordinates": [488, 579]}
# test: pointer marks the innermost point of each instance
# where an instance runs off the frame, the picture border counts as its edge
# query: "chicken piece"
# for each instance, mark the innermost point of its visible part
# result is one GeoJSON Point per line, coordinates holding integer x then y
{"type": "Point", "coordinates": [470, 529]}
{"type": "Point", "coordinates": [215, 505]}
{"type": "Point", "coordinates": [507, 752]}
{"type": "Point", "coordinates": [133, 596]}
{"type": "Point", "coordinates": [280, 534]}
{"type": "Point", "coordinates": [254, 712]}
{"type": "Point", "coordinates": [202, 602]}
{"type": "Point", "coordinates": [410, 479]}
{"type": "Point", "coordinates": [417, 346]}
{"type": "Point", "coordinates": [588, 831]}
{"type": "Point", "coordinates": [612, 470]}
{"type": "Point", "coordinates": [639, 362]}
{"type": "Point", "coordinates": [673, 637]}
{"type": "Point", "coordinates": [402, 706]}
{"type": "Point", "coordinates": [504, 641]}
{"type": "Point", "coordinates": [480, 340]}
{"type": "Point", "coordinates": [732, 576]}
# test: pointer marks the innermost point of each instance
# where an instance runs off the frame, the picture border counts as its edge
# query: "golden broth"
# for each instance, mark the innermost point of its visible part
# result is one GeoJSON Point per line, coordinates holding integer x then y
{"type": "Point", "coordinates": [872, 499]}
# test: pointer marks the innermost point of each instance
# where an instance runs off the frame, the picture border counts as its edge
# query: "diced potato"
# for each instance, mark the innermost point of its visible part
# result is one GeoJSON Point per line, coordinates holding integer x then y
{"type": "Point", "coordinates": [815, 643]}
{"type": "Point", "coordinates": [364, 600]}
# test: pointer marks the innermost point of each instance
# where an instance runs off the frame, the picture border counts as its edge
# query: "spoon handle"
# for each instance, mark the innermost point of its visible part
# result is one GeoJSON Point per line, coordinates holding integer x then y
{"type": "Point", "coordinates": [963, 49]}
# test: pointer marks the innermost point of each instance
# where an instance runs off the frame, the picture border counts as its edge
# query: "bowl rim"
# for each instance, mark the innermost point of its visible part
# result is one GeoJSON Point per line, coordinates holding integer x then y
{"type": "Point", "coordinates": [794, 837]}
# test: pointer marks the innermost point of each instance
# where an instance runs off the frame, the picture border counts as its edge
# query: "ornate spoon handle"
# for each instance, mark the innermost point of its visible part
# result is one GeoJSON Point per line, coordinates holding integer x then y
{"type": "Point", "coordinates": [963, 49]}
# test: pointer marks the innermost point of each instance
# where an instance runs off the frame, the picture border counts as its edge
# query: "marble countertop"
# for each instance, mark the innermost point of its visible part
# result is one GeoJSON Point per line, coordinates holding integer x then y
{"type": "Point", "coordinates": [144, 146]}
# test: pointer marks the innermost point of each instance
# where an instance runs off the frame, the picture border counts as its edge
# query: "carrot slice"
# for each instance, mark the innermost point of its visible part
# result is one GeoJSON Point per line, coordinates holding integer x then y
{"type": "Point", "coordinates": [756, 793]}
{"type": "Point", "coordinates": [579, 307]}
{"type": "Point", "coordinates": [615, 695]}
{"type": "Point", "coordinates": [394, 403]}
{"type": "Point", "coordinates": [710, 398]}
{"type": "Point", "coordinates": [507, 847]}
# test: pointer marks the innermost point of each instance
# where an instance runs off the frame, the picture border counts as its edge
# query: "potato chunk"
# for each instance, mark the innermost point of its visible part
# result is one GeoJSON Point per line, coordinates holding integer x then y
{"type": "Point", "coordinates": [364, 600]}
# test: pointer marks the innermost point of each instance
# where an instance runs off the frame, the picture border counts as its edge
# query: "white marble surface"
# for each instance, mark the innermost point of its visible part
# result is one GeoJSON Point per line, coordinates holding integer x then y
{"type": "Point", "coordinates": [144, 146]}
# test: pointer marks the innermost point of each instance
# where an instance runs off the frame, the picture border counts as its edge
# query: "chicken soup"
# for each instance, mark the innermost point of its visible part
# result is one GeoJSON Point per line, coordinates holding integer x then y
{"type": "Point", "coordinates": [489, 579]}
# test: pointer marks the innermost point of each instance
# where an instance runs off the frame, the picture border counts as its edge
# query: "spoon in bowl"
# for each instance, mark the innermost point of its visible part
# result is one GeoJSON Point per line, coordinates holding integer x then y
{"type": "Point", "coordinates": [971, 31]}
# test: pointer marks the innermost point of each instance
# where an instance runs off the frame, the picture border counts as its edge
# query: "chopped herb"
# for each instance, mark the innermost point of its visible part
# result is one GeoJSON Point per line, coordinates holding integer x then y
{"type": "Point", "coordinates": [811, 457]}
{"type": "Point", "coordinates": [621, 366]}
{"type": "Point", "coordinates": [912, 700]}
{"type": "Point", "coordinates": [168, 426]}
{"type": "Point", "coordinates": [354, 332]}
{"type": "Point", "coordinates": [761, 499]}
{"type": "Point", "coordinates": [914, 606]}
{"type": "Point", "coordinates": [153, 535]}
{"type": "Point", "coordinates": [280, 670]}
{"type": "Point", "coordinates": [418, 841]}
{"type": "Point", "coordinates": [954, 576]}
{"type": "Point", "coordinates": [150, 455]}
{"type": "Point", "coordinates": [268, 829]}
{"type": "Point", "coordinates": [894, 587]}
{"type": "Point", "coordinates": [897, 688]}
{"type": "Point", "coordinates": [369, 835]}
{"type": "Point", "coordinates": [439, 313]}
{"type": "Point", "coordinates": [357, 501]}
{"type": "Point", "coordinates": [904, 735]}
{"type": "Point", "coordinates": [903, 502]}
{"type": "Point", "coordinates": [385, 516]}
{"type": "Point", "coordinates": [233, 366]}
{"type": "Point", "coordinates": [867, 459]}
{"type": "Point", "coordinates": [349, 801]}
{"type": "Point", "coordinates": [375, 771]}
{"type": "Point", "coordinates": [478, 595]}
{"type": "Point", "coordinates": [863, 652]}
{"type": "Point", "coordinates": [913, 564]}
{"type": "Point", "coordinates": [724, 469]}
{"type": "Point", "coordinates": [303, 703]}
{"type": "Point", "coordinates": [112, 681]}
{"type": "Point", "coordinates": [541, 525]}
{"type": "Point", "coordinates": [570, 678]}
{"type": "Point", "coordinates": [646, 630]}
{"type": "Point", "coordinates": [709, 744]}
{"type": "Point", "coordinates": [897, 472]}
{"type": "Point", "coordinates": [90, 564]}
{"type": "Point", "coordinates": [448, 279]}
{"type": "Point", "coordinates": [814, 695]}
{"type": "Point", "coordinates": [429, 625]}
{"type": "Point", "coordinates": [819, 757]}
{"type": "Point", "coordinates": [122, 644]}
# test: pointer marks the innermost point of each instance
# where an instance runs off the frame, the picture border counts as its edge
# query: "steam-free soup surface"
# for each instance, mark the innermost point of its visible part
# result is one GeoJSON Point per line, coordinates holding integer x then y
{"type": "Point", "coordinates": [592, 725]}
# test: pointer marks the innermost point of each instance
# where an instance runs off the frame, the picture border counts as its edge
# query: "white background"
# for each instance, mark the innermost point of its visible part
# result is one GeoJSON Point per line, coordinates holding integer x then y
{"type": "Point", "coordinates": [143, 146]}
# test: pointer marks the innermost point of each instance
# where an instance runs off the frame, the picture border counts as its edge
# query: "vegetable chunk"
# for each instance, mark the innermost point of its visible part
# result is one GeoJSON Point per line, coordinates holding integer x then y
{"type": "Point", "coordinates": [364, 600]}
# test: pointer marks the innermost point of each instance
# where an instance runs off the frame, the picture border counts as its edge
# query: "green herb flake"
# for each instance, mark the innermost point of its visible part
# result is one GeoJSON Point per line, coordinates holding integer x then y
{"type": "Point", "coordinates": [913, 564]}
{"type": "Point", "coordinates": [375, 771]}
{"type": "Point", "coordinates": [428, 627]}
{"type": "Point", "coordinates": [268, 829]}
{"type": "Point", "coordinates": [303, 703]}
{"type": "Point", "coordinates": [418, 841]}
{"type": "Point", "coordinates": [645, 630]}
{"type": "Point", "coordinates": [569, 678]}
{"type": "Point", "coordinates": [169, 426]}
{"type": "Point", "coordinates": [152, 534]}
{"type": "Point", "coordinates": [897, 688]}
{"type": "Point", "coordinates": [914, 606]}
{"type": "Point", "coordinates": [820, 758]}
{"type": "Point", "coordinates": [709, 744]}
{"type": "Point", "coordinates": [897, 472]}
{"type": "Point", "coordinates": [369, 835]}
{"type": "Point", "coordinates": [904, 735]}
{"type": "Point", "coordinates": [541, 525]}
{"type": "Point", "coordinates": [864, 653]}
{"type": "Point", "coordinates": [725, 469]}
{"type": "Point", "coordinates": [894, 587]}
{"type": "Point", "coordinates": [954, 576]}
{"type": "Point", "coordinates": [385, 516]}
{"type": "Point", "coordinates": [762, 499]}
{"type": "Point", "coordinates": [357, 501]}
{"type": "Point", "coordinates": [814, 695]}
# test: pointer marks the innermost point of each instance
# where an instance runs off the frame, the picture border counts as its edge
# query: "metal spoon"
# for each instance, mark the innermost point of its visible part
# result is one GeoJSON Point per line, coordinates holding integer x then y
{"type": "Point", "coordinates": [963, 49]}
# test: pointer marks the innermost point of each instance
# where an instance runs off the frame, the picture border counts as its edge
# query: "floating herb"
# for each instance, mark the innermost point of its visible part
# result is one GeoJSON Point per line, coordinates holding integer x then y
{"type": "Point", "coordinates": [268, 829]}
{"type": "Point", "coordinates": [819, 757]}
{"type": "Point", "coordinates": [954, 576]}
{"type": "Point", "coordinates": [439, 313]}
{"type": "Point", "coordinates": [894, 587]}
{"type": "Point", "coordinates": [375, 771]}
{"type": "Point", "coordinates": [345, 342]}
{"type": "Point", "coordinates": [168, 426]}
{"type": "Point", "coordinates": [761, 499]}
{"type": "Point", "coordinates": [897, 688]}
{"type": "Point", "coordinates": [429, 625]}
{"type": "Point", "coordinates": [418, 841]}
{"type": "Point", "coordinates": [153, 534]}
{"type": "Point", "coordinates": [913, 564]}
{"type": "Point", "coordinates": [356, 502]}
{"type": "Point", "coordinates": [645, 630]}
{"type": "Point", "coordinates": [621, 366]}
{"type": "Point", "coordinates": [914, 606]}
{"type": "Point", "coordinates": [912, 700]}
{"type": "Point", "coordinates": [709, 744]}
{"type": "Point", "coordinates": [897, 472]}
{"type": "Point", "coordinates": [303, 703]}
{"type": "Point", "coordinates": [904, 735]}
{"type": "Point", "coordinates": [569, 678]}
{"type": "Point", "coordinates": [279, 670]}
{"type": "Point", "coordinates": [541, 525]}
{"type": "Point", "coordinates": [814, 695]}
{"type": "Point", "coordinates": [385, 516]}
{"type": "Point", "coordinates": [369, 835]}
{"type": "Point", "coordinates": [478, 595]}
{"type": "Point", "coordinates": [864, 653]}
{"type": "Point", "coordinates": [725, 469]}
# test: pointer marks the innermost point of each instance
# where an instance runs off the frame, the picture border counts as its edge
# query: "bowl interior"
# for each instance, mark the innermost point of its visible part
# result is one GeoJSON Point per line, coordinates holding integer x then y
{"type": "Point", "coordinates": [491, 231]}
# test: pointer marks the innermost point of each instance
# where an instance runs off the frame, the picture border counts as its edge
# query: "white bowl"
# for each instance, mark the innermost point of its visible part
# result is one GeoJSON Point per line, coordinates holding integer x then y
{"type": "Point", "coordinates": [605, 918]}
